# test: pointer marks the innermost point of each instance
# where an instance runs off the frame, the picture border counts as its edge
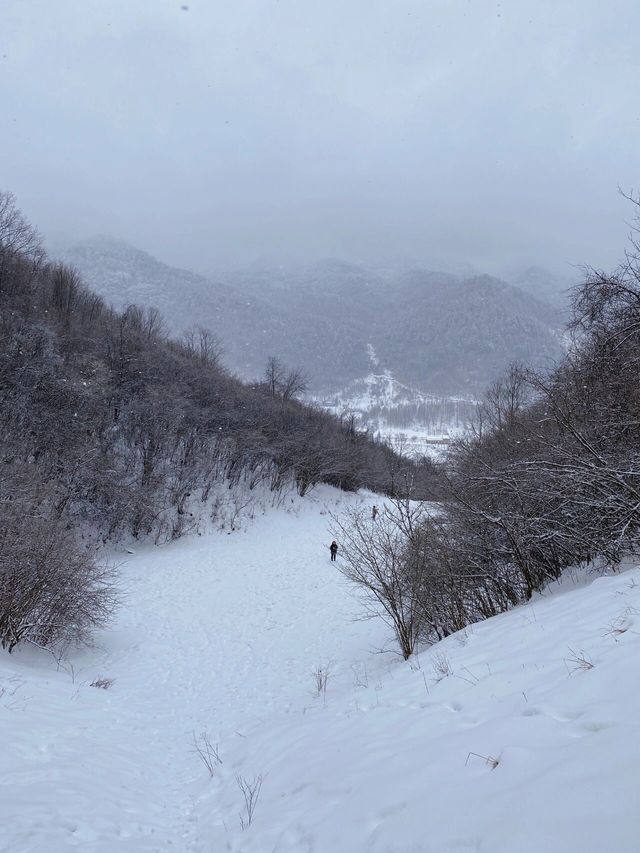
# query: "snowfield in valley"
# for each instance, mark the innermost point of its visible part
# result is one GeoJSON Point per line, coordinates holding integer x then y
{"type": "Point", "coordinates": [519, 735]}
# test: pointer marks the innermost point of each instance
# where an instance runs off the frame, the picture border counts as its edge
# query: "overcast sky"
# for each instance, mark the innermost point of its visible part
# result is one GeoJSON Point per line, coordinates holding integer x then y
{"type": "Point", "coordinates": [211, 132]}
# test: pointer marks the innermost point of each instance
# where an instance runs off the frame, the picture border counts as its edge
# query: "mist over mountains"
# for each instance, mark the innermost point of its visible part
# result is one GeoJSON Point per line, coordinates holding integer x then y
{"type": "Point", "coordinates": [440, 332]}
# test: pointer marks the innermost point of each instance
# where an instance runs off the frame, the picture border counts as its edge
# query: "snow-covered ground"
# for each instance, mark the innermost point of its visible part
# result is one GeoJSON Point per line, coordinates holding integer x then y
{"type": "Point", "coordinates": [417, 441]}
{"type": "Point", "coordinates": [413, 422]}
{"type": "Point", "coordinates": [519, 735]}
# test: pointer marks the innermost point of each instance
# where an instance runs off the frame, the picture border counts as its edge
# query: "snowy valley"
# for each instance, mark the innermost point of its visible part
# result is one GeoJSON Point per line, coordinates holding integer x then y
{"type": "Point", "coordinates": [408, 351]}
{"type": "Point", "coordinates": [516, 734]}
{"type": "Point", "coordinates": [413, 422]}
{"type": "Point", "coordinates": [320, 468]}
{"type": "Point", "coordinates": [184, 668]}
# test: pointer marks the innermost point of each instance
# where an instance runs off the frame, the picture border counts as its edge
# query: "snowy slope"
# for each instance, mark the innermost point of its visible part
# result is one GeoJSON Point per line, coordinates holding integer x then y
{"type": "Point", "coordinates": [221, 634]}
{"type": "Point", "coordinates": [216, 634]}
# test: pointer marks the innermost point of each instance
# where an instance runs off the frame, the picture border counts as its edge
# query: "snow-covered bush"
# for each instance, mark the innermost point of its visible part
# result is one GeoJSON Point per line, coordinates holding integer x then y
{"type": "Point", "coordinates": [52, 591]}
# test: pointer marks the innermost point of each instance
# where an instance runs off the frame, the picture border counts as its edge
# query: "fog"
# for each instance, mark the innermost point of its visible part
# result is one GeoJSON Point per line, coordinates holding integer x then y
{"type": "Point", "coordinates": [216, 133]}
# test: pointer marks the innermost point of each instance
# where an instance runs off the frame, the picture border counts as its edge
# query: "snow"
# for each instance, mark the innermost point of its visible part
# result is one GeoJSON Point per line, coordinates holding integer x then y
{"type": "Point", "coordinates": [417, 441]}
{"type": "Point", "coordinates": [222, 633]}
{"type": "Point", "coordinates": [382, 405]}
{"type": "Point", "coordinates": [382, 389]}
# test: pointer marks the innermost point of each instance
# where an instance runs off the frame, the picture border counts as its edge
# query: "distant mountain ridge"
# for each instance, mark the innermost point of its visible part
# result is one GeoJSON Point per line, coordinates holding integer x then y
{"type": "Point", "coordinates": [442, 333]}
{"type": "Point", "coordinates": [462, 333]}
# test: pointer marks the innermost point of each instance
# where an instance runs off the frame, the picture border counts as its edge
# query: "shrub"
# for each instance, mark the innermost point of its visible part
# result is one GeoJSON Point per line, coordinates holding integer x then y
{"type": "Point", "coordinates": [53, 593]}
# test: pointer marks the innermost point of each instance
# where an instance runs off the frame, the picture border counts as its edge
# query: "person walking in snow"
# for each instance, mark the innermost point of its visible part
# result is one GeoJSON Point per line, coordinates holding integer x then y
{"type": "Point", "coordinates": [334, 550]}
{"type": "Point", "coordinates": [374, 513]}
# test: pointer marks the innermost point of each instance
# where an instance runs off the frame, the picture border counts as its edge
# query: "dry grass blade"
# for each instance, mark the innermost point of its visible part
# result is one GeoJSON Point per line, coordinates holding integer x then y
{"type": "Point", "coordinates": [489, 760]}
{"type": "Point", "coordinates": [579, 661]}
{"type": "Point", "coordinates": [102, 683]}
{"type": "Point", "coordinates": [250, 789]}
{"type": "Point", "coordinates": [209, 753]}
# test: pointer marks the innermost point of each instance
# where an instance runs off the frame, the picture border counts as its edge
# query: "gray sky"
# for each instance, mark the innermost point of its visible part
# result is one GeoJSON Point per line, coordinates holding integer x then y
{"type": "Point", "coordinates": [489, 133]}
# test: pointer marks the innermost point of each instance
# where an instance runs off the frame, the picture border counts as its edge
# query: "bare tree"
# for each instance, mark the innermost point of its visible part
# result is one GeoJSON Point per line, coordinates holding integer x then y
{"type": "Point", "coordinates": [202, 345]}
{"type": "Point", "coordinates": [293, 384]}
{"type": "Point", "coordinates": [16, 234]}
{"type": "Point", "coordinates": [282, 383]}
{"type": "Point", "coordinates": [374, 556]}
{"type": "Point", "coordinates": [274, 375]}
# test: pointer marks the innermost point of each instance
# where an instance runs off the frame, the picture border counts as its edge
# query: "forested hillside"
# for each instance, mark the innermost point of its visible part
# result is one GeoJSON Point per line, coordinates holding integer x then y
{"type": "Point", "coordinates": [441, 333]}
{"type": "Point", "coordinates": [459, 335]}
{"type": "Point", "coordinates": [109, 428]}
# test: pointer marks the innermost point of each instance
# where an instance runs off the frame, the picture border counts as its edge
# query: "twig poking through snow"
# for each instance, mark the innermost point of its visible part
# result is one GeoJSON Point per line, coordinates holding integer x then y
{"type": "Point", "coordinates": [579, 660]}
{"type": "Point", "coordinates": [320, 679]}
{"type": "Point", "coordinates": [251, 792]}
{"type": "Point", "coordinates": [426, 686]}
{"type": "Point", "coordinates": [209, 753]}
{"type": "Point", "coordinates": [102, 683]}
{"type": "Point", "coordinates": [489, 760]}
{"type": "Point", "coordinates": [441, 666]}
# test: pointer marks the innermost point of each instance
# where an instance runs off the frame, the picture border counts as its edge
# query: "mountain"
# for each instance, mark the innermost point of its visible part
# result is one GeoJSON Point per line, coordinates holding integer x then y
{"type": "Point", "coordinates": [449, 334]}
{"type": "Point", "coordinates": [124, 275]}
{"type": "Point", "coordinates": [440, 332]}
{"type": "Point", "coordinates": [252, 322]}
{"type": "Point", "coordinates": [543, 284]}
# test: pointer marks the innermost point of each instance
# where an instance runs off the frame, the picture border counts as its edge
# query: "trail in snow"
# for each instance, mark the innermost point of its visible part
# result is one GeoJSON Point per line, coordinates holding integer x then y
{"type": "Point", "coordinates": [215, 634]}
{"type": "Point", "coordinates": [518, 735]}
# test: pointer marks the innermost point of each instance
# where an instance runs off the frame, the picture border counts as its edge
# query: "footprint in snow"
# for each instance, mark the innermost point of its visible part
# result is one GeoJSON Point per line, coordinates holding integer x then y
{"type": "Point", "coordinates": [587, 728]}
{"type": "Point", "coordinates": [558, 716]}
